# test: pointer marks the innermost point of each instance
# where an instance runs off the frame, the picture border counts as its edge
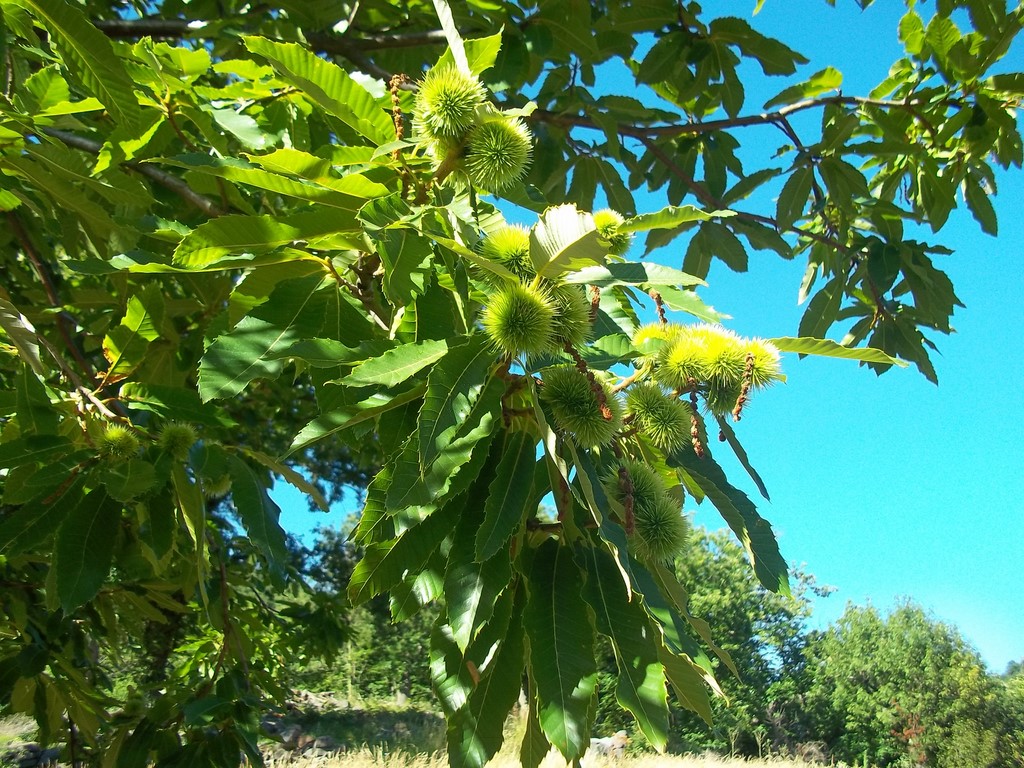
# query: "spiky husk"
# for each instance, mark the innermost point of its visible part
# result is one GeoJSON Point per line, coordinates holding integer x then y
{"type": "Point", "coordinates": [119, 442]}
{"type": "Point", "coordinates": [648, 487]}
{"type": "Point", "coordinates": [572, 315]}
{"type": "Point", "coordinates": [519, 320]}
{"type": "Point", "coordinates": [664, 419]}
{"type": "Point", "coordinates": [510, 247]}
{"type": "Point", "coordinates": [683, 360]}
{"type": "Point", "coordinates": [498, 153]}
{"type": "Point", "coordinates": [576, 408]}
{"type": "Point", "coordinates": [661, 531]}
{"type": "Point", "coordinates": [725, 355]}
{"type": "Point", "coordinates": [176, 439]}
{"type": "Point", "coordinates": [446, 103]}
{"type": "Point", "coordinates": [653, 339]}
{"type": "Point", "coordinates": [608, 222]}
{"type": "Point", "coordinates": [721, 398]}
{"type": "Point", "coordinates": [767, 367]}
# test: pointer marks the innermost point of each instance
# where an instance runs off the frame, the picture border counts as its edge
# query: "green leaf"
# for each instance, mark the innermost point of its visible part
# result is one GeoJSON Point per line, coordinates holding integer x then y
{"type": "Point", "coordinates": [294, 311]}
{"type": "Point", "coordinates": [829, 348]}
{"type": "Point", "coordinates": [558, 624]}
{"type": "Point", "coordinates": [981, 206]}
{"type": "Point", "coordinates": [822, 310]}
{"type": "Point", "coordinates": [348, 193]}
{"type": "Point", "coordinates": [510, 494]}
{"type": "Point", "coordinates": [22, 334]}
{"type": "Point", "coordinates": [456, 47]}
{"type": "Point", "coordinates": [33, 449]}
{"type": "Point", "coordinates": [36, 414]}
{"type": "Point", "coordinates": [402, 252]}
{"type": "Point", "coordinates": [258, 512]}
{"type": "Point", "coordinates": [328, 85]}
{"type": "Point", "coordinates": [631, 273]}
{"type": "Point", "coordinates": [669, 217]}
{"type": "Point", "coordinates": [342, 418]}
{"type": "Point", "coordinates": [174, 403]}
{"type": "Point", "coordinates": [384, 564]}
{"type": "Point", "coordinates": [453, 386]}
{"type": "Point", "coordinates": [88, 54]}
{"type": "Point", "coordinates": [641, 682]}
{"type": "Point", "coordinates": [565, 240]}
{"type": "Point", "coordinates": [471, 587]}
{"type": "Point", "coordinates": [458, 464]}
{"type": "Point", "coordinates": [85, 548]}
{"type": "Point", "coordinates": [828, 79]}
{"type": "Point", "coordinates": [211, 241]}
{"type": "Point", "coordinates": [752, 530]}
{"type": "Point", "coordinates": [793, 197]}
{"type": "Point", "coordinates": [688, 682]}
{"type": "Point", "coordinates": [290, 475]}
{"type": "Point", "coordinates": [476, 732]}
{"type": "Point", "coordinates": [130, 479]}
{"type": "Point", "coordinates": [31, 524]}
{"type": "Point", "coordinates": [741, 454]}
{"type": "Point", "coordinates": [396, 365]}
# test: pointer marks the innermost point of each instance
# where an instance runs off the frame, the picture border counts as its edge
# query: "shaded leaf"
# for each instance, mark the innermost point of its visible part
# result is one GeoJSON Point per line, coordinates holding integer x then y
{"type": "Point", "coordinates": [84, 548]}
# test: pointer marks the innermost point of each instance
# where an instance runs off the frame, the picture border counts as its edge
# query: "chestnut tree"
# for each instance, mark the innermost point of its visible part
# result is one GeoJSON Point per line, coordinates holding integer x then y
{"type": "Point", "coordinates": [255, 242]}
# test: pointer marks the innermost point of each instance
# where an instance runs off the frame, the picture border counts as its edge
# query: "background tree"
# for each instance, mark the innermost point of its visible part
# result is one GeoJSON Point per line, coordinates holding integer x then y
{"type": "Point", "coordinates": [902, 686]}
{"type": "Point", "coordinates": [252, 245]}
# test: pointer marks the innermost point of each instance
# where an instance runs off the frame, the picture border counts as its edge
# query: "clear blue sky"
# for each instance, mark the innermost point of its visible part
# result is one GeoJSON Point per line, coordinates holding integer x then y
{"type": "Point", "coordinates": [883, 487]}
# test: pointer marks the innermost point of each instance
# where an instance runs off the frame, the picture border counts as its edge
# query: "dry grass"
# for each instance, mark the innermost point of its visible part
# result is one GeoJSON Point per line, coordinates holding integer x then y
{"type": "Point", "coordinates": [367, 758]}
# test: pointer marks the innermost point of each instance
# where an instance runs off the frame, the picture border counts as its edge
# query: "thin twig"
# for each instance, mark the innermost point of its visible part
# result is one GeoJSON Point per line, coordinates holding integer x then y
{"type": "Point", "coordinates": [164, 179]}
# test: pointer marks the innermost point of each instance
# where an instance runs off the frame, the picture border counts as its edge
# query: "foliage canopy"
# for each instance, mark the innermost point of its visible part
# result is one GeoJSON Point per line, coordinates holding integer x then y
{"type": "Point", "coordinates": [241, 245]}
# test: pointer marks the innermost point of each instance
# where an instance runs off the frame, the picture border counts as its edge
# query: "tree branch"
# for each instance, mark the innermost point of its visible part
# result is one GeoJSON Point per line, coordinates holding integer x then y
{"type": "Point", "coordinates": [164, 179]}
{"type": "Point", "coordinates": [764, 118]}
{"type": "Point", "coordinates": [326, 41]}
{"type": "Point", "coordinates": [711, 201]}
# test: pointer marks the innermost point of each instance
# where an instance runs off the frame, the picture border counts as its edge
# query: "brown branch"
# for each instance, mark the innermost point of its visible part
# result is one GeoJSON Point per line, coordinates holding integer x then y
{"type": "Point", "coordinates": [711, 201]}
{"type": "Point", "coordinates": [764, 118]}
{"type": "Point", "coordinates": [177, 28]}
{"type": "Point", "coordinates": [164, 179]}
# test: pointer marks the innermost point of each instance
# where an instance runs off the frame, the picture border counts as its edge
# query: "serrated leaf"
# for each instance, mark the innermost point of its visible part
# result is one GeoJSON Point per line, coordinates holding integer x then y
{"type": "Point", "coordinates": [565, 240]}
{"type": "Point", "coordinates": [687, 681]}
{"type": "Point", "coordinates": [348, 193]}
{"type": "Point", "coordinates": [396, 365]}
{"type": "Point", "coordinates": [481, 53]}
{"type": "Point", "coordinates": [822, 310]}
{"type": "Point", "coordinates": [509, 495]}
{"type": "Point", "coordinates": [472, 587]}
{"type": "Point", "coordinates": [741, 454]}
{"type": "Point", "coordinates": [451, 32]}
{"type": "Point", "coordinates": [342, 418]}
{"type": "Point", "coordinates": [669, 217]}
{"type": "Point", "coordinates": [247, 352]}
{"type": "Point", "coordinates": [453, 386]}
{"type": "Point", "coordinates": [22, 334]}
{"type": "Point", "coordinates": [561, 635]}
{"type": "Point", "coordinates": [88, 53]}
{"type": "Point", "coordinates": [641, 681]}
{"type": "Point", "coordinates": [753, 531]}
{"type": "Point", "coordinates": [258, 513]}
{"type": "Point", "coordinates": [980, 205]}
{"type": "Point", "coordinates": [32, 449]}
{"type": "Point", "coordinates": [84, 549]}
{"type": "Point", "coordinates": [476, 731]}
{"type": "Point", "coordinates": [36, 414]}
{"type": "Point", "coordinates": [130, 479]}
{"type": "Point", "coordinates": [828, 79]}
{"type": "Point", "coordinates": [175, 403]}
{"type": "Point", "coordinates": [32, 523]}
{"type": "Point", "coordinates": [384, 564]}
{"type": "Point", "coordinates": [293, 478]}
{"type": "Point", "coordinates": [631, 273]}
{"type": "Point", "coordinates": [793, 197]}
{"type": "Point", "coordinates": [328, 85]}
{"type": "Point", "coordinates": [828, 348]}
